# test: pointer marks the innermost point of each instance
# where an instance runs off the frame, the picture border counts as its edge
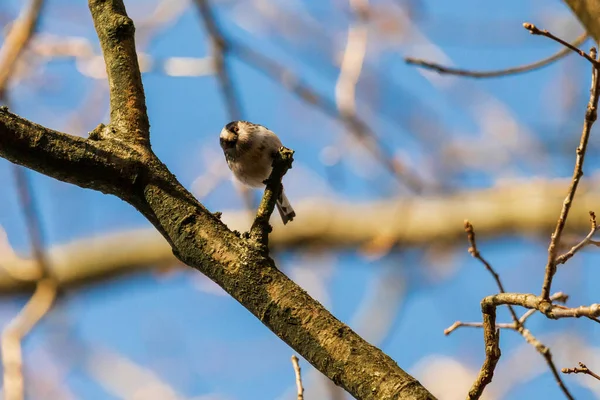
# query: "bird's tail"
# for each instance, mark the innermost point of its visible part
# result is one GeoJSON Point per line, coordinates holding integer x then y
{"type": "Point", "coordinates": [285, 208]}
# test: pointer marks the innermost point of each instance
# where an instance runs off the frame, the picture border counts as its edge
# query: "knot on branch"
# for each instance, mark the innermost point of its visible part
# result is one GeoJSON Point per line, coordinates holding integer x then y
{"type": "Point", "coordinates": [282, 162]}
{"type": "Point", "coordinates": [120, 28]}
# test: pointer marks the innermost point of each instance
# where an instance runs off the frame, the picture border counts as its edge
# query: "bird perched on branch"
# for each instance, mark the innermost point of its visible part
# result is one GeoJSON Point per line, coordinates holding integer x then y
{"type": "Point", "coordinates": [249, 150]}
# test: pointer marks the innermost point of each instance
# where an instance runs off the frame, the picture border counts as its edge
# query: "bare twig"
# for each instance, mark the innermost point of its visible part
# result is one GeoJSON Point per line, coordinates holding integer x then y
{"type": "Point", "coordinates": [583, 369]}
{"type": "Point", "coordinates": [517, 325]}
{"type": "Point", "coordinates": [566, 256]}
{"type": "Point", "coordinates": [560, 297]}
{"type": "Point", "coordinates": [475, 253]}
{"type": "Point", "coordinates": [488, 307]}
{"type": "Point", "coordinates": [590, 118]}
{"type": "Point", "coordinates": [500, 72]}
{"type": "Point", "coordinates": [535, 31]}
{"type": "Point", "coordinates": [298, 377]}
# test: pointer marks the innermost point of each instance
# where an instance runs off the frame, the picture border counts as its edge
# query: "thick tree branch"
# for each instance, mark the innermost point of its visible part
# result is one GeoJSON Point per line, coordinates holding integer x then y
{"type": "Point", "coordinates": [102, 165]}
{"type": "Point", "coordinates": [127, 102]}
{"type": "Point", "coordinates": [119, 161]}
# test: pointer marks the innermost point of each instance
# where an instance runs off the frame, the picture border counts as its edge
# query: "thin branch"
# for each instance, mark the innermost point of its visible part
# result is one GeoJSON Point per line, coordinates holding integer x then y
{"type": "Point", "coordinates": [127, 101]}
{"type": "Point", "coordinates": [459, 324]}
{"type": "Point", "coordinates": [298, 377]}
{"type": "Point", "coordinates": [545, 352]}
{"type": "Point", "coordinates": [475, 253]}
{"type": "Point", "coordinates": [442, 69]}
{"type": "Point", "coordinates": [220, 53]}
{"type": "Point", "coordinates": [583, 369]}
{"type": "Point", "coordinates": [491, 336]}
{"type": "Point", "coordinates": [560, 297]}
{"type": "Point", "coordinates": [566, 256]}
{"type": "Point", "coordinates": [590, 118]}
{"type": "Point", "coordinates": [535, 31]}
{"type": "Point", "coordinates": [260, 227]}
{"type": "Point", "coordinates": [517, 326]}
{"type": "Point", "coordinates": [16, 40]}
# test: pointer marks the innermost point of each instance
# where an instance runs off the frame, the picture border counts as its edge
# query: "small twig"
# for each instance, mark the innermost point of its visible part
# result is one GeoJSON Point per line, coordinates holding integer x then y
{"type": "Point", "coordinates": [560, 297]}
{"type": "Point", "coordinates": [583, 369]}
{"type": "Point", "coordinates": [533, 302]}
{"type": "Point", "coordinates": [535, 31]}
{"type": "Point", "coordinates": [501, 72]}
{"type": "Point", "coordinates": [459, 324]}
{"type": "Point", "coordinates": [260, 227]}
{"type": "Point", "coordinates": [566, 256]}
{"type": "Point", "coordinates": [590, 118]}
{"type": "Point", "coordinates": [492, 341]}
{"type": "Point", "coordinates": [475, 254]}
{"type": "Point", "coordinates": [545, 352]}
{"type": "Point", "coordinates": [298, 377]}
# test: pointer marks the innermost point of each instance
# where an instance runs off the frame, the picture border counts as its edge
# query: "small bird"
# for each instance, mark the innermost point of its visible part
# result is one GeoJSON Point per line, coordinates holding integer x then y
{"type": "Point", "coordinates": [249, 150]}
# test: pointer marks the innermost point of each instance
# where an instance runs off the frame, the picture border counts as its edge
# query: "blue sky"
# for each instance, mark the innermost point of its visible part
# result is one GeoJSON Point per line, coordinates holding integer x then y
{"type": "Point", "coordinates": [201, 342]}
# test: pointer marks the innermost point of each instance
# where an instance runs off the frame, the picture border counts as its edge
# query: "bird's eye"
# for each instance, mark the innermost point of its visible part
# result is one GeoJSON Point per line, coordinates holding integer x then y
{"type": "Point", "coordinates": [235, 129]}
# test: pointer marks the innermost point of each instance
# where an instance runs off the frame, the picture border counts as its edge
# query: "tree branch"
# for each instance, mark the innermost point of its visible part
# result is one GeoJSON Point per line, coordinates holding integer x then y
{"type": "Point", "coordinates": [583, 369]}
{"type": "Point", "coordinates": [127, 102]}
{"type": "Point", "coordinates": [117, 159]}
{"type": "Point", "coordinates": [442, 69]}
{"type": "Point", "coordinates": [299, 386]}
{"type": "Point", "coordinates": [260, 227]}
{"type": "Point", "coordinates": [590, 117]}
